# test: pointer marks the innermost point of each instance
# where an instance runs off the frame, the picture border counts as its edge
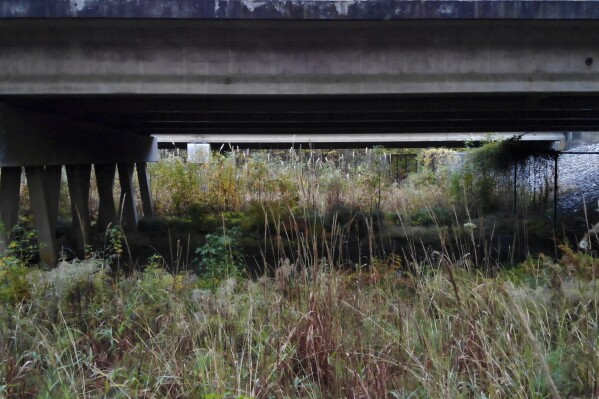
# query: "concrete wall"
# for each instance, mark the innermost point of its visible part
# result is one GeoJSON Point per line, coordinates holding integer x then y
{"type": "Point", "coordinates": [296, 57]}
{"type": "Point", "coordinates": [302, 9]}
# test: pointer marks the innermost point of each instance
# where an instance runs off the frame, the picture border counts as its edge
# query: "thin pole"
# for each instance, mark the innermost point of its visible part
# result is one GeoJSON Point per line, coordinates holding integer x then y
{"type": "Point", "coordinates": [515, 188]}
{"type": "Point", "coordinates": [555, 190]}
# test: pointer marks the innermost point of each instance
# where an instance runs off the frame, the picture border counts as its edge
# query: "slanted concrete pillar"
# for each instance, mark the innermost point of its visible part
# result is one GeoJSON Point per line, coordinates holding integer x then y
{"type": "Point", "coordinates": [44, 191]}
{"type": "Point", "coordinates": [78, 177]}
{"type": "Point", "coordinates": [127, 211]}
{"type": "Point", "coordinates": [105, 182]}
{"type": "Point", "coordinates": [10, 186]}
{"type": "Point", "coordinates": [144, 189]}
{"type": "Point", "coordinates": [52, 182]}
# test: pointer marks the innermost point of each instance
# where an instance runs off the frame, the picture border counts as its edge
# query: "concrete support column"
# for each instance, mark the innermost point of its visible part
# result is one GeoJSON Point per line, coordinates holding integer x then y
{"type": "Point", "coordinates": [144, 189]}
{"type": "Point", "coordinates": [78, 177]}
{"type": "Point", "coordinates": [52, 183]}
{"type": "Point", "coordinates": [127, 211]}
{"type": "Point", "coordinates": [10, 187]}
{"type": "Point", "coordinates": [105, 182]}
{"type": "Point", "coordinates": [44, 192]}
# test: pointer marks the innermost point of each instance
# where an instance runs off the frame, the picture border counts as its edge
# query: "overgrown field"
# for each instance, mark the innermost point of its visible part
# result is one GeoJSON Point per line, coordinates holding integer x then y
{"type": "Point", "coordinates": [443, 332]}
{"type": "Point", "coordinates": [366, 287]}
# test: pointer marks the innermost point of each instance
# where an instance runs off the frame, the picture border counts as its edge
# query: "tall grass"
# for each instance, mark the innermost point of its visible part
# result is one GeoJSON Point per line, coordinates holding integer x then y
{"type": "Point", "coordinates": [302, 178]}
{"type": "Point", "coordinates": [448, 333]}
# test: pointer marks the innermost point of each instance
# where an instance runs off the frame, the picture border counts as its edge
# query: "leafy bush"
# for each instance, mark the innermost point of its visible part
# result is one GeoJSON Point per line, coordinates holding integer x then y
{"type": "Point", "coordinates": [14, 287]}
{"type": "Point", "coordinates": [220, 257]}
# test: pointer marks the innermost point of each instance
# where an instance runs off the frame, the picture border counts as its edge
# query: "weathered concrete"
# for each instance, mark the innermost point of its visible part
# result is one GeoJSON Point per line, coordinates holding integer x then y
{"type": "Point", "coordinates": [43, 143]}
{"type": "Point", "coordinates": [32, 138]}
{"type": "Point", "coordinates": [78, 177]}
{"type": "Point", "coordinates": [297, 57]}
{"type": "Point", "coordinates": [10, 186]}
{"type": "Point", "coordinates": [105, 183]}
{"type": "Point", "coordinates": [348, 140]}
{"type": "Point", "coordinates": [145, 192]}
{"type": "Point", "coordinates": [52, 179]}
{"type": "Point", "coordinates": [44, 189]}
{"type": "Point", "coordinates": [301, 9]}
{"type": "Point", "coordinates": [127, 210]}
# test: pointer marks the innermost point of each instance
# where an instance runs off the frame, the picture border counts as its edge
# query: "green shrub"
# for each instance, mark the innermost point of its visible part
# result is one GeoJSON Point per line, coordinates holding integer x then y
{"type": "Point", "coordinates": [431, 216]}
{"type": "Point", "coordinates": [14, 287]}
{"type": "Point", "coordinates": [220, 257]}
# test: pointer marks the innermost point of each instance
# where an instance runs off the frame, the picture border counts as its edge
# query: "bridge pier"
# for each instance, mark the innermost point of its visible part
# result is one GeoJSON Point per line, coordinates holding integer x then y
{"type": "Point", "coordinates": [42, 144]}
{"type": "Point", "coordinates": [127, 210]}
{"type": "Point", "coordinates": [78, 178]}
{"type": "Point", "coordinates": [44, 190]}
{"type": "Point", "coordinates": [105, 182]}
{"type": "Point", "coordinates": [144, 189]}
{"type": "Point", "coordinates": [10, 187]}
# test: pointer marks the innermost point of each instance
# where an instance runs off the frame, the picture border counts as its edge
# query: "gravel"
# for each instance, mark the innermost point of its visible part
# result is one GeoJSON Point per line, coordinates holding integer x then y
{"type": "Point", "coordinates": [578, 181]}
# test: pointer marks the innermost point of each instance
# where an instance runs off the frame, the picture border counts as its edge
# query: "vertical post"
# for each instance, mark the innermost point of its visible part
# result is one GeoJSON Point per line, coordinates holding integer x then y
{"type": "Point", "coordinates": [10, 187]}
{"type": "Point", "coordinates": [78, 177]}
{"type": "Point", "coordinates": [144, 189]}
{"type": "Point", "coordinates": [44, 204]}
{"type": "Point", "coordinates": [515, 188]}
{"type": "Point", "coordinates": [105, 183]}
{"type": "Point", "coordinates": [555, 189]}
{"type": "Point", "coordinates": [127, 213]}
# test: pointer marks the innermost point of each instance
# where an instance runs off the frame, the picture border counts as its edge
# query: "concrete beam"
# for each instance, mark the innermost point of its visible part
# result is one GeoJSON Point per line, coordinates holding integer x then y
{"type": "Point", "coordinates": [298, 57]}
{"type": "Point", "coordinates": [32, 138]}
{"type": "Point", "coordinates": [344, 140]}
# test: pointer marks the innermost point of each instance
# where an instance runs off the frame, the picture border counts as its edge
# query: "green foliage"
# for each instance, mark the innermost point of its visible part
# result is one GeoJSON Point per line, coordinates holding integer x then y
{"type": "Point", "coordinates": [24, 245]}
{"type": "Point", "coordinates": [179, 182]}
{"type": "Point", "coordinates": [436, 164]}
{"type": "Point", "coordinates": [220, 257]}
{"type": "Point", "coordinates": [435, 216]}
{"type": "Point", "coordinates": [115, 242]}
{"type": "Point", "coordinates": [476, 183]}
{"type": "Point", "coordinates": [264, 216]}
{"type": "Point", "coordinates": [502, 155]}
{"type": "Point", "coordinates": [14, 287]}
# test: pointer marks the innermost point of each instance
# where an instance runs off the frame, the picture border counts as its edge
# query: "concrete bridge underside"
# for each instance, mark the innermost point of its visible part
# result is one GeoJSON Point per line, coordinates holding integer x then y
{"type": "Point", "coordinates": [78, 93]}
